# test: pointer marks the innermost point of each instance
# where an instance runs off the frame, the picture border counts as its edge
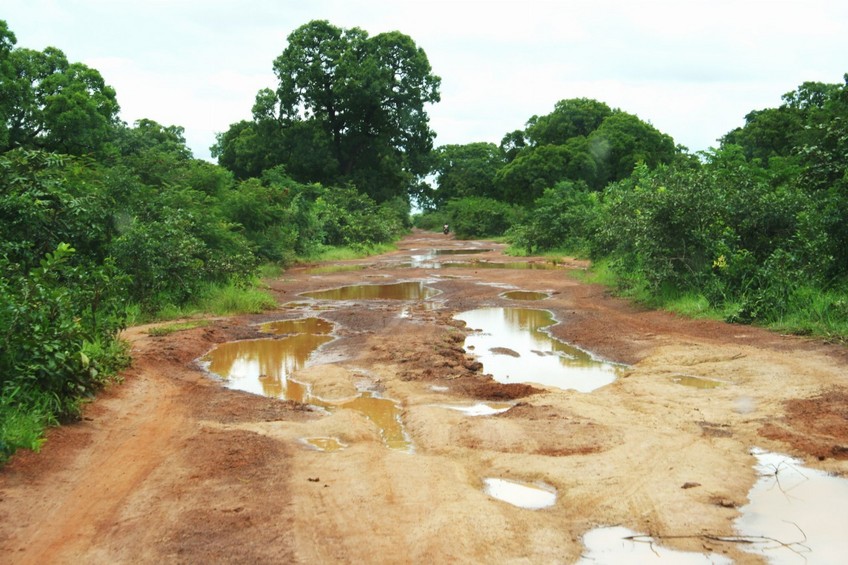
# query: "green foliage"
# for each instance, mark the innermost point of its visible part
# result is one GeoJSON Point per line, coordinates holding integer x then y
{"type": "Point", "coordinates": [168, 329]}
{"type": "Point", "coordinates": [349, 109]}
{"type": "Point", "coordinates": [480, 217]}
{"type": "Point", "coordinates": [350, 218]}
{"type": "Point", "coordinates": [49, 103]}
{"type": "Point", "coordinates": [432, 220]}
{"type": "Point", "coordinates": [564, 216]}
{"type": "Point", "coordinates": [465, 171]}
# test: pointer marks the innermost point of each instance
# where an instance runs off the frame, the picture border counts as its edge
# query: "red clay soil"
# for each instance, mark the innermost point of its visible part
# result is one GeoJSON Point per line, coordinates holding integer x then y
{"type": "Point", "coordinates": [171, 466]}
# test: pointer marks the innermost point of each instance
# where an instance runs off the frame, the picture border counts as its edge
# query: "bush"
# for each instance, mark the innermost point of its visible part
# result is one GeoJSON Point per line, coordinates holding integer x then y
{"type": "Point", "coordinates": [480, 217]}
{"type": "Point", "coordinates": [564, 217]}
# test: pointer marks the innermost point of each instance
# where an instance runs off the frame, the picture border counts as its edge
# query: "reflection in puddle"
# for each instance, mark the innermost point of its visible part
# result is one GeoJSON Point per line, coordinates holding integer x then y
{"type": "Point", "coordinates": [540, 358]}
{"type": "Point", "coordinates": [316, 326]}
{"type": "Point", "coordinates": [525, 295]}
{"type": "Point", "coordinates": [801, 509]}
{"type": "Point", "coordinates": [265, 367]}
{"type": "Point", "coordinates": [397, 291]}
{"type": "Point", "coordinates": [695, 382]}
{"type": "Point", "coordinates": [385, 415]}
{"type": "Point", "coordinates": [532, 496]}
{"type": "Point", "coordinates": [610, 545]}
{"type": "Point", "coordinates": [325, 443]}
{"type": "Point", "coordinates": [480, 409]}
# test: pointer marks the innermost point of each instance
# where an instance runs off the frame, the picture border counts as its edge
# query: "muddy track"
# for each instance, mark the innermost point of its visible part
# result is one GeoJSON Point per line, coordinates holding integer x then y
{"type": "Point", "coordinates": [170, 466]}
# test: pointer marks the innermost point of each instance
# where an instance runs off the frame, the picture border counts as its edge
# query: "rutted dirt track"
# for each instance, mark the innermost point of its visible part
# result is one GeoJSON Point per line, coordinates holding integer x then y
{"type": "Point", "coordinates": [171, 467]}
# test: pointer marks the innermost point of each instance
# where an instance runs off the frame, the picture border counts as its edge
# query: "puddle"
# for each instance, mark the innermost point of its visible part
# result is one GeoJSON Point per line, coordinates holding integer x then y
{"type": "Point", "coordinates": [499, 265]}
{"type": "Point", "coordinates": [695, 382]}
{"type": "Point", "coordinates": [532, 496]}
{"type": "Point", "coordinates": [325, 443]}
{"type": "Point", "coordinates": [386, 416]}
{"type": "Point", "coordinates": [525, 295]}
{"type": "Point", "coordinates": [473, 251]}
{"type": "Point", "coordinates": [479, 409]}
{"type": "Point", "coordinates": [800, 510]}
{"type": "Point", "coordinates": [514, 347]}
{"type": "Point", "coordinates": [266, 366]}
{"type": "Point", "coordinates": [326, 269]}
{"type": "Point", "coordinates": [610, 545]}
{"type": "Point", "coordinates": [317, 326]}
{"type": "Point", "coordinates": [396, 291]}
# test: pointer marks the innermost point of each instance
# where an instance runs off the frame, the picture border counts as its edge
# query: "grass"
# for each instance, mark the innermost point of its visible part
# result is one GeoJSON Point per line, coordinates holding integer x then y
{"type": "Point", "coordinates": [809, 311]}
{"type": "Point", "coordinates": [22, 424]}
{"type": "Point", "coordinates": [347, 253]}
{"type": "Point", "coordinates": [161, 331]}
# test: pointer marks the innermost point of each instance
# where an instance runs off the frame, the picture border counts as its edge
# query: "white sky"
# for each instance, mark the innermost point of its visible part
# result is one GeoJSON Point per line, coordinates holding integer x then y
{"type": "Point", "coordinates": [693, 68]}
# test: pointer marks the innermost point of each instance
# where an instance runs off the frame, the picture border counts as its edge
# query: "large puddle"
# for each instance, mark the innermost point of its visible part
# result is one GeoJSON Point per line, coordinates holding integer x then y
{"type": "Point", "coordinates": [514, 347]}
{"type": "Point", "coordinates": [266, 366]}
{"type": "Point", "coordinates": [795, 514]}
{"type": "Point", "coordinates": [396, 291]}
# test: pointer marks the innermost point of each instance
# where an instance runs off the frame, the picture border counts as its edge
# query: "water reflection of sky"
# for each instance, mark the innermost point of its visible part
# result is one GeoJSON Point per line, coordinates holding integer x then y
{"type": "Point", "coordinates": [541, 359]}
{"type": "Point", "coordinates": [802, 508]}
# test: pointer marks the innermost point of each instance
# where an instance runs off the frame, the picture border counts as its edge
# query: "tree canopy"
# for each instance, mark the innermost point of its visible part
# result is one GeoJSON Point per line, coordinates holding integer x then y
{"type": "Point", "coordinates": [349, 108]}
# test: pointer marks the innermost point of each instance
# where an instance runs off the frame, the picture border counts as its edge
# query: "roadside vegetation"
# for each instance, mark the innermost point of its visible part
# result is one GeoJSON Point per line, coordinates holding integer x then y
{"type": "Point", "coordinates": [105, 224]}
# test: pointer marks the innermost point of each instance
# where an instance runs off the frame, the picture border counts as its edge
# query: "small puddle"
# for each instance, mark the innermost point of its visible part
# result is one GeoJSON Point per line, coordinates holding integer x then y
{"type": "Point", "coordinates": [514, 347]}
{"type": "Point", "coordinates": [396, 291]}
{"type": "Point", "coordinates": [621, 545]}
{"type": "Point", "coordinates": [385, 415]}
{"type": "Point", "coordinates": [265, 367]}
{"type": "Point", "coordinates": [325, 443]}
{"type": "Point", "coordinates": [327, 269]}
{"type": "Point", "coordinates": [525, 295]}
{"type": "Point", "coordinates": [799, 512]}
{"type": "Point", "coordinates": [532, 496]}
{"type": "Point", "coordinates": [479, 409]}
{"type": "Point", "coordinates": [695, 382]}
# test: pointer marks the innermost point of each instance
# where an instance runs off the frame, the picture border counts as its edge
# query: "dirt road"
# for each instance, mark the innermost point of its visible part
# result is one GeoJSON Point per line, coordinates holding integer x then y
{"type": "Point", "coordinates": [171, 467]}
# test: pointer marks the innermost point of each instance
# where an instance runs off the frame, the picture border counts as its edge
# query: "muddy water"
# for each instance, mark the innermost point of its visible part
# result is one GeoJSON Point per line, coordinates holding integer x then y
{"type": "Point", "coordinates": [514, 347]}
{"type": "Point", "coordinates": [384, 413]}
{"type": "Point", "coordinates": [800, 510]}
{"type": "Point", "coordinates": [524, 295]}
{"type": "Point", "coordinates": [396, 291]}
{"type": "Point", "coordinates": [316, 326]}
{"type": "Point", "coordinates": [266, 366]}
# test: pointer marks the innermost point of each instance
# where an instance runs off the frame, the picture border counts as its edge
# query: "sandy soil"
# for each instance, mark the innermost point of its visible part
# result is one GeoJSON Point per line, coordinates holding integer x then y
{"type": "Point", "coordinates": [169, 466]}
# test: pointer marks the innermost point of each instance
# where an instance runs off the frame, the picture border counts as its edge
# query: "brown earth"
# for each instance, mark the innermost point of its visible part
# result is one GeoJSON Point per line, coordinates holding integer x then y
{"type": "Point", "coordinates": [171, 467]}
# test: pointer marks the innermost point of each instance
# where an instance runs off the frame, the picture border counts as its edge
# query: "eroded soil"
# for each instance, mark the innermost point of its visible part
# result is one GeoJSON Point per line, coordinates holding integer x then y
{"type": "Point", "coordinates": [170, 466]}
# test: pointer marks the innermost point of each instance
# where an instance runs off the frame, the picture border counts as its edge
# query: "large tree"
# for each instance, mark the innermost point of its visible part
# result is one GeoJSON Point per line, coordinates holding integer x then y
{"type": "Point", "coordinates": [348, 108]}
{"type": "Point", "coordinates": [467, 170]}
{"type": "Point", "coordinates": [50, 103]}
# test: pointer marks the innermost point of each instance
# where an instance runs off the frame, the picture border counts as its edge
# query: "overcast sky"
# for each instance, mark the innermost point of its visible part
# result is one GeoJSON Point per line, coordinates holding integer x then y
{"type": "Point", "coordinates": [692, 68]}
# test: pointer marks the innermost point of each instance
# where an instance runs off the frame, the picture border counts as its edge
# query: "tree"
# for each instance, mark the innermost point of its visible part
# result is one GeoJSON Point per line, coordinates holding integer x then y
{"type": "Point", "coordinates": [350, 105]}
{"type": "Point", "coordinates": [622, 141]}
{"type": "Point", "coordinates": [467, 170]}
{"type": "Point", "coordinates": [571, 118]}
{"type": "Point", "coordinates": [55, 105]}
